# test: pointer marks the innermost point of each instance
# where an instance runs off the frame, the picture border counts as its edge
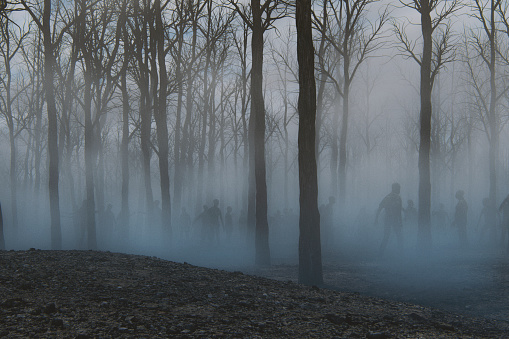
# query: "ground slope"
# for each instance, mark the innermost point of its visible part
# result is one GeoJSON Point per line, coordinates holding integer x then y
{"type": "Point", "coordinates": [86, 294]}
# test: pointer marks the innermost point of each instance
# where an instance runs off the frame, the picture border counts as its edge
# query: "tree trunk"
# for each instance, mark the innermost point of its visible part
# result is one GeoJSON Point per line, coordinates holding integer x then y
{"type": "Point", "coordinates": [49, 62]}
{"type": "Point", "coordinates": [425, 130]}
{"type": "Point", "coordinates": [162, 127]}
{"type": "Point", "coordinates": [258, 109]}
{"type": "Point", "coordinates": [310, 255]}
{"type": "Point", "coordinates": [124, 155]}
{"type": "Point", "coordinates": [89, 163]}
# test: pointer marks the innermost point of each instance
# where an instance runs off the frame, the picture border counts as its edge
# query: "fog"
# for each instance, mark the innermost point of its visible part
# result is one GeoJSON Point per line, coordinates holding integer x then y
{"type": "Point", "coordinates": [207, 114]}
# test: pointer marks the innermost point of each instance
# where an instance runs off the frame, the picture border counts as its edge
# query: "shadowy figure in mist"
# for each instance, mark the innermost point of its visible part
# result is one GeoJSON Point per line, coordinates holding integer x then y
{"type": "Point", "coordinates": [410, 213]}
{"type": "Point", "coordinates": [440, 217]}
{"type": "Point", "coordinates": [489, 217]}
{"type": "Point", "coordinates": [216, 220]}
{"type": "Point", "coordinates": [504, 225]}
{"type": "Point", "coordinates": [460, 218]}
{"type": "Point", "coordinates": [393, 219]}
{"type": "Point", "coordinates": [327, 224]}
{"type": "Point", "coordinates": [228, 223]}
{"type": "Point", "coordinates": [2, 241]}
{"type": "Point", "coordinates": [185, 224]}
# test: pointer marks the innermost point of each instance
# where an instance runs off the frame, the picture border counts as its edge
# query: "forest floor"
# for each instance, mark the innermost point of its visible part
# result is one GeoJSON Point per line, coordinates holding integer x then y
{"type": "Point", "coordinates": [87, 294]}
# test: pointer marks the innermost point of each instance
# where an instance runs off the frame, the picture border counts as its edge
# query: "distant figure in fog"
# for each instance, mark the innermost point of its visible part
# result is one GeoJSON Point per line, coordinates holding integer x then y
{"type": "Point", "coordinates": [460, 218]}
{"type": "Point", "coordinates": [440, 216]}
{"type": "Point", "coordinates": [489, 217]}
{"type": "Point", "coordinates": [2, 241]}
{"type": "Point", "coordinates": [410, 213]}
{"type": "Point", "coordinates": [393, 220]}
{"type": "Point", "coordinates": [216, 220]}
{"type": "Point", "coordinates": [228, 223]}
{"type": "Point", "coordinates": [185, 223]}
{"type": "Point", "coordinates": [504, 225]}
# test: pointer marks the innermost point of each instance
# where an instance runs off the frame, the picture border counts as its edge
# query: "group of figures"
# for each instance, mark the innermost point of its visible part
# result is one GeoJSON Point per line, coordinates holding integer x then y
{"type": "Point", "coordinates": [211, 224]}
{"type": "Point", "coordinates": [493, 220]}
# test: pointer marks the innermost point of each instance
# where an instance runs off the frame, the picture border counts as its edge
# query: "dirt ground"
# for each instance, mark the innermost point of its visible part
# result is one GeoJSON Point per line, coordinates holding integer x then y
{"type": "Point", "coordinates": [90, 294]}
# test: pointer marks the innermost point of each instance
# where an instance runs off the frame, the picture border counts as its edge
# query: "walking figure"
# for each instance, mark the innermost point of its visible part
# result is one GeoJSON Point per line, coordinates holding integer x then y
{"type": "Point", "coordinates": [393, 219]}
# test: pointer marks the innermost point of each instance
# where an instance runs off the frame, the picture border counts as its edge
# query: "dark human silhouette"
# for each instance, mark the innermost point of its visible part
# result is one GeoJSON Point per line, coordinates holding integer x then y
{"type": "Point", "coordinates": [2, 241]}
{"type": "Point", "coordinates": [504, 225]}
{"type": "Point", "coordinates": [393, 220]}
{"type": "Point", "coordinates": [460, 218]}
{"type": "Point", "coordinates": [228, 223]}
{"type": "Point", "coordinates": [216, 220]}
{"type": "Point", "coordinates": [185, 223]}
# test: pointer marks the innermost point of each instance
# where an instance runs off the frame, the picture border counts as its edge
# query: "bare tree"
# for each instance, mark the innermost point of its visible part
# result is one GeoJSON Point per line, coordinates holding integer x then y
{"type": "Point", "coordinates": [49, 62]}
{"type": "Point", "coordinates": [354, 39]}
{"type": "Point", "coordinates": [436, 51]}
{"type": "Point", "coordinates": [10, 44]}
{"type": "Point", "coordinates": [310, 255]}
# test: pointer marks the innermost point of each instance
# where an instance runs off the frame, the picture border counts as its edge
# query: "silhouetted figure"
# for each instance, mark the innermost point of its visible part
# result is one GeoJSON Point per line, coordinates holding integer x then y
{"type": "Point", "coordinates": [185, 223]}
{"type": "Point", "coordinates": [460, 218]}
{"type": "Point", "coordinates": [2, 241]}
{"type": "Point", "coordinates": [441, 217]}
{"type": "Point", "coordinates": [410, 213]}
{"type": "Point", "coordinates": [327, 224]}
{"type": "Point", "coordinates": [393, 219]}
{"type": "Point", "coordinates": [504, 225]}
{"type": "Point", "coordinates": [216, 220]}
{"type": "Point", "coordinates": [228, 223]}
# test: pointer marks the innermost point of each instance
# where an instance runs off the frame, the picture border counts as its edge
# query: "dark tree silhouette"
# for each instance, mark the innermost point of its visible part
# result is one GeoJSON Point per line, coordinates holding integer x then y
{"type": "Point", "coordinates": [310, 253]}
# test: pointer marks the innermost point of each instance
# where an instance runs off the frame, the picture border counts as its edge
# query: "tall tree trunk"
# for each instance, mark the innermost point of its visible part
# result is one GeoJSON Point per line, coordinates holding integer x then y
{"type": "Point", "coordinates": [124, 155]}
{"type": "Point", "coordinates": [310, 255]}
{"type": "Point", "coordinates": [89, 162]}
{"type": "Point", "coordinates": [258, 109]}
{"type": "Point", "coordinates": [49, 64]}
{"type": "Point", "coordinates": [344, 129]}
{"type": "Point", "coordinates": [425, 130]}
{"type": "Point", "coordinates": [162, 127]}
{"type": "Point", "coordinates": [492, 119]}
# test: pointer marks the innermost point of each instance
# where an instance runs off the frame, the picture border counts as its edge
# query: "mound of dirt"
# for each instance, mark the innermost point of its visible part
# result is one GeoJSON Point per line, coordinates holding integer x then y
{"type": "Point", "coordinates": [87, 294]}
